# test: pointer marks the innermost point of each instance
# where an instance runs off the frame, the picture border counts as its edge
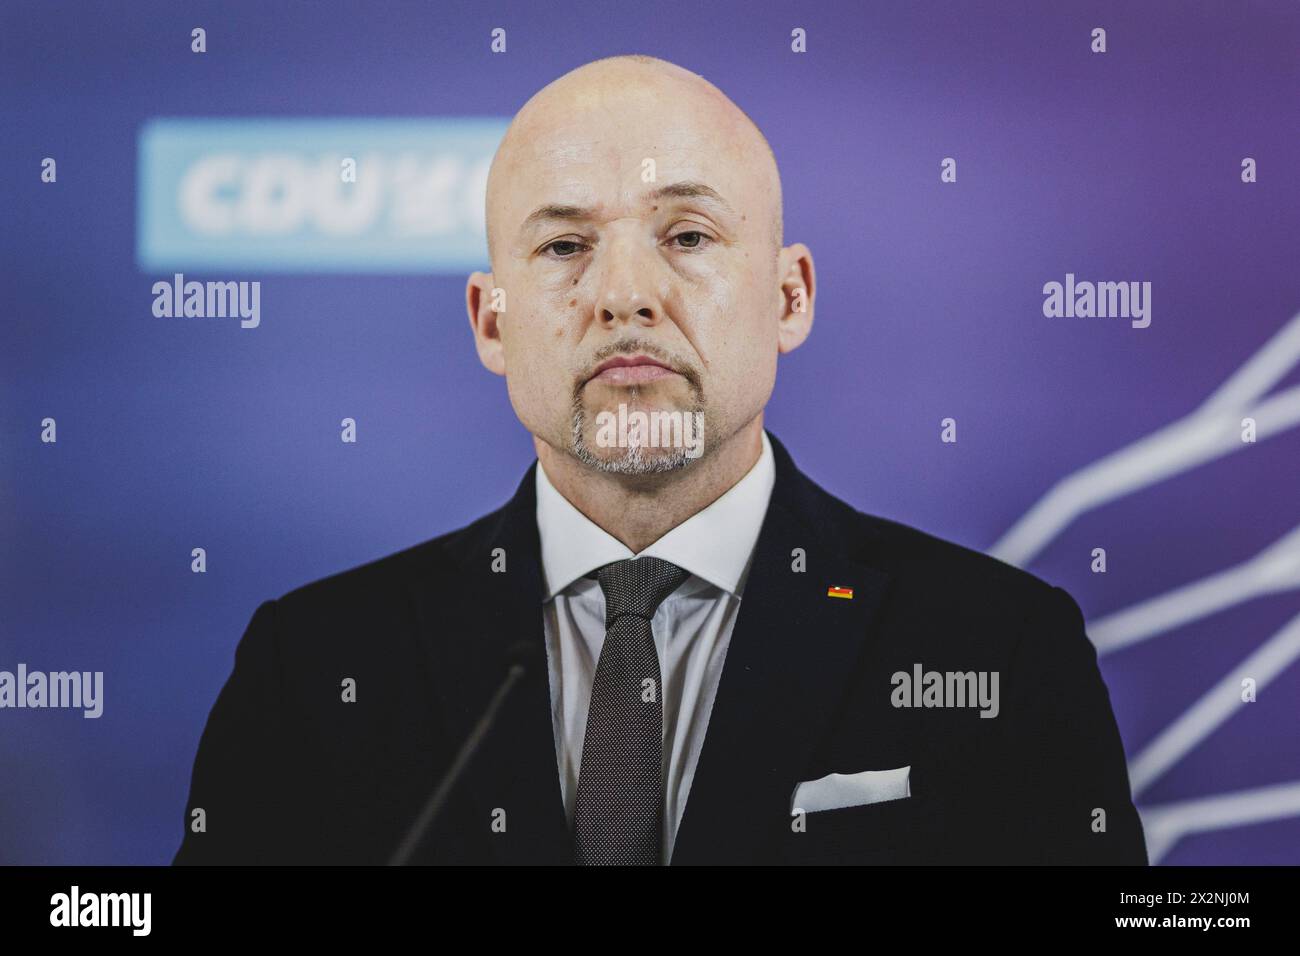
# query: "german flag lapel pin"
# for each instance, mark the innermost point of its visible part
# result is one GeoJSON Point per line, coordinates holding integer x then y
{"type": "Point", "coordinates": [846, 593]}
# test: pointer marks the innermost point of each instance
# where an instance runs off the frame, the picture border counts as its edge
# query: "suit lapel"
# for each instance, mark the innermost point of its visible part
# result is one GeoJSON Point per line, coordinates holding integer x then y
{"type": "Point", "coordinates": [791, 651]}
{"type": "Point", "coordinates": [475, 616]}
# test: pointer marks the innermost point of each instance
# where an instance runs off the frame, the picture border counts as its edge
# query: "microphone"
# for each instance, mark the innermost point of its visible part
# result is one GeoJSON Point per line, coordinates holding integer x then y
{"type": "Point", "coordinates": [521, 658]}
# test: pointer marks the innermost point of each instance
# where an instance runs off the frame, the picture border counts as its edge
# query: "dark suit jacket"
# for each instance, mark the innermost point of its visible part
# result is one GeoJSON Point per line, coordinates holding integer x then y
{"type": "Point", "coordinates": [287, 772]}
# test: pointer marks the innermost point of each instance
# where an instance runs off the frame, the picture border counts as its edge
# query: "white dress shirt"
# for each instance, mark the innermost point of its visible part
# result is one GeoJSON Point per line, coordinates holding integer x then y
{"type": "Point", "coordinates": [692, 627]}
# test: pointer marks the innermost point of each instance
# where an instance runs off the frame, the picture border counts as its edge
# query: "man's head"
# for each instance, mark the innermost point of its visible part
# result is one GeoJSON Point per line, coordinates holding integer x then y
{"type": "Point", "coordinates": [634, 216]}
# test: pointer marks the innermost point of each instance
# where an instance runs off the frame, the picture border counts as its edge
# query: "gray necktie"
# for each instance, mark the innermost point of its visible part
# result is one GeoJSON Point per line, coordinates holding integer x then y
{"type": "Point", "coordinates": [618, 812]}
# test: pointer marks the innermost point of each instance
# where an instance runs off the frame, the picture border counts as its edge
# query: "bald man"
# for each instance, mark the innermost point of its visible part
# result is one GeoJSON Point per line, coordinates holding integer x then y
{"type": "Point", "coordinates": [670, 646]}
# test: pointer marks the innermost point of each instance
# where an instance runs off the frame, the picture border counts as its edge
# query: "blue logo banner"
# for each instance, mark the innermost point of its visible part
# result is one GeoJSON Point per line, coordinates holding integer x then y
{"type": "Point", "coordinates": [314, 195]}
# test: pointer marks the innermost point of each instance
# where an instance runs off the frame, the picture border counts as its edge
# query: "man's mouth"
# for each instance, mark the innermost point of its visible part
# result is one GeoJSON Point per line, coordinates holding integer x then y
{"type": "Point", "coordinates": [630, 370]}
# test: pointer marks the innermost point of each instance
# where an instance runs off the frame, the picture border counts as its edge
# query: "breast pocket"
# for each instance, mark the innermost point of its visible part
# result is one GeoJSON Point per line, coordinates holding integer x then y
{"type": "Point", "coordinates": [890, 831]}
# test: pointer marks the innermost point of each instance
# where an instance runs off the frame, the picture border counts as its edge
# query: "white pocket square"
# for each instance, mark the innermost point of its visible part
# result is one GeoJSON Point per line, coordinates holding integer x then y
{"type": "Point", "coordinates": [838, 790]}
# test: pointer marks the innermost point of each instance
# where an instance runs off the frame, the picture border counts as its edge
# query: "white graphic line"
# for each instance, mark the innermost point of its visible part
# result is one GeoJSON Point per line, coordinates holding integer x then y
{"type": "Point", "coordinates": [1216, 706]}
{"type": "Point", "coordinates": [1276, 568]}
{"type": "Point", "coordinates": [1211, 431]}
{"type": "Point", "coordinates": [1260, 372]}
{"type": "Point", "coordinates": [1168, 823]}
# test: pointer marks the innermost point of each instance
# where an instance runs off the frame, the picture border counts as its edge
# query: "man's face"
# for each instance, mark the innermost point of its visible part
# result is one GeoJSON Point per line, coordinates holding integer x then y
{"type": "Point", "coordinates": [635, 243]}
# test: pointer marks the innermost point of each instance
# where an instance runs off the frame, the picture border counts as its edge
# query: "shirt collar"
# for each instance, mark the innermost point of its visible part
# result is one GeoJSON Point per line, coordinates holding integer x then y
{"type": "Point", "coordinates": [714, 544]}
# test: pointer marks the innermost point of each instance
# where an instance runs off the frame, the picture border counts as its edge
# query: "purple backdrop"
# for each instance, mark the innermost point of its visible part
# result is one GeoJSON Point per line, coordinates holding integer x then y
{"type": "Point", "coordinates": [1115, 166]}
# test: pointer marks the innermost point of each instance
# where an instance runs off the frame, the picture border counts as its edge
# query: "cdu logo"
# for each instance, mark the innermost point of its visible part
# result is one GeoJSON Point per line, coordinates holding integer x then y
{"type": "Point", "coordinates": [314, 195]}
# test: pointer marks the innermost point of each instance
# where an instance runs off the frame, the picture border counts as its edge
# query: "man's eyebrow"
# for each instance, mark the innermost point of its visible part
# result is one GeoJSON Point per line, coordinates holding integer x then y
{"type": "Point", "coordinates": [691, 190]}
{"type": "Point", "coordinates": [683, 190]}
{"type": "Point", "coordinates": [556, 211]}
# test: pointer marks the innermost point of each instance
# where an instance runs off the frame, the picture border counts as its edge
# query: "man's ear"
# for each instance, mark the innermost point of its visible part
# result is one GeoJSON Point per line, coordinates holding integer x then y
{"type": "Point", "coordinates": [798, 290]}
{"type": "Point", "coordinates": [482, 300]}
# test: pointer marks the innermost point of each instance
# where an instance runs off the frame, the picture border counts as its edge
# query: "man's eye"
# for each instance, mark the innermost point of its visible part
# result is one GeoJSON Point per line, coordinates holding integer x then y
{"type": "Point", "coordinates": [564, 248]}
{"type": "Point", "coordinates": [690, 240]}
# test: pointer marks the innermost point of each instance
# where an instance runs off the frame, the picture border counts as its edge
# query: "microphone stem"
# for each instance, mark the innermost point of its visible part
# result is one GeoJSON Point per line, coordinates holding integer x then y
{"type": "Point", "coordinates": [404, 852]}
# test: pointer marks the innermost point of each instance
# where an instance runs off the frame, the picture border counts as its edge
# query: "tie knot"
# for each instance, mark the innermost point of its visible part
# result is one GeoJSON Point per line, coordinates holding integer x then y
{"type": "Point", "coordinates": [637, 586]}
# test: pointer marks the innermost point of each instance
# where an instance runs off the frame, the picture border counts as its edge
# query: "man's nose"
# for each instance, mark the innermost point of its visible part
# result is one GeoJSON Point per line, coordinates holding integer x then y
{"type": "Point", "coordinates": [629, 284]}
